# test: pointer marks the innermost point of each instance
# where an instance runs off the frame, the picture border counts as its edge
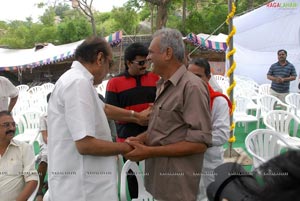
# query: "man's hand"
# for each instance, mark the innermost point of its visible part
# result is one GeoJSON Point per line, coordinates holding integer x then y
{"type": "Point", "coordinates": [141, 138]}
{"type": "Point", "coordinates": [126, 148]}
{"type": "Point", "coordinates": [139, 153]}
{"type": "Point", "coordinates": [279, 79]}
{"type": "Point", "coordinates": [143, 116]}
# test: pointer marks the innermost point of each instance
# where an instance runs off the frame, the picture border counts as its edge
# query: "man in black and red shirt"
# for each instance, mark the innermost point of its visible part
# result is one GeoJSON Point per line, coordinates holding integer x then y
{"type": "Point", "coordinates": [134, 89]}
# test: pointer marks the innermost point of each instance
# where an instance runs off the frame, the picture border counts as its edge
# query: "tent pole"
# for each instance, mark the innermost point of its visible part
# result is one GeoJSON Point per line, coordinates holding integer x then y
{"type": "Point", "coordinates": [231, 154]}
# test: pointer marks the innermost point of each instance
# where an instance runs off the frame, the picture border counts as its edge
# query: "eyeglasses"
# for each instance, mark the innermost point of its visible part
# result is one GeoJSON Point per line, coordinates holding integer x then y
{"type": "Point", "coordinates": [8, 124]}
{"type": "Point", "coordinates": [140, 63]}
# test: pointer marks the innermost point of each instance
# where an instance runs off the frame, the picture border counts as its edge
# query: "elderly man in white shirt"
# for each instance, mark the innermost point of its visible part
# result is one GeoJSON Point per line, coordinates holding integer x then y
{"type": "Point", "coordinates": [81, 161]}
{"type": "Point", "coordinates": [7, 90]}
{"type": "Point", "coordinates": [18, 177]}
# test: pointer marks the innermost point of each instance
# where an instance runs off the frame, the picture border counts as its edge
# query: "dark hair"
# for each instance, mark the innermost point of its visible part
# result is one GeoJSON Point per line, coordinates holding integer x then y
{"type": "Point", "coordinates": [88, 50]}
{"type": "Point", "coordinates": [202, 63]}
{"type": "Point", "coordinates": [281, 176]}
{"type": "Point", "coordinates": [282, 50]}
{"type": "Point", "coordinates": [277, 179]}
{"type": "Point", "coordinates": [133, 50]}
{"type": "Point", "coordinates": [5, 113]}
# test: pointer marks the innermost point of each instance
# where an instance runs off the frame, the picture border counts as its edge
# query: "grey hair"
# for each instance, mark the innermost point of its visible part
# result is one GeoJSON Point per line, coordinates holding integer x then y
{"type": "Point", "coordinates": [171, 38]}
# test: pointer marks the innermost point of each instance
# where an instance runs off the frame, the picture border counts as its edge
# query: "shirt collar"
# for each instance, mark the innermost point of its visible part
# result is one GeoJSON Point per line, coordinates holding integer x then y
{"type": "Point", "coordinates": [77, 65]}
{"type": "Point", "coordinates": [174, 79]}
{"type": "Point", "coordinates": [14, 143]}
{"type": "Point", "coordinates": [127, 75]}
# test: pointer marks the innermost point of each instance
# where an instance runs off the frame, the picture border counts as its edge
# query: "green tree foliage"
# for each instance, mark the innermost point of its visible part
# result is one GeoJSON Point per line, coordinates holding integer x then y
{"type": "Point", "coordinates": [125, 19]}
{"type": "Point", "coordinates": [48, 18]}
{"type": "Point", "coordinates": [71, 30]}
{"type": "Point", "coordinates": [61, 24]}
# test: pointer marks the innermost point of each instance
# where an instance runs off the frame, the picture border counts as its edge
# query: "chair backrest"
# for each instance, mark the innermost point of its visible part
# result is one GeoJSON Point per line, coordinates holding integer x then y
{"type": "Point", "coordinates": [263, 144]}
{"type": "Point", "coordinates": [101, 88]}
{"type": "Point", "coordinates": [223, 82]}
{"type": "Point", "coordinates": [267, 103]}
{"type": "Point", "coordinates": [264, 89]}
{"type": "Point", "coordinates": [35, 89]}
{"type": "Point", "coordinates": [30, 120]}
{"type": "Point", "coordinates": [142, 193]}
{"type": "Point", "coordinates": [47, 87]}
{"type": "Point", "coordinates": [22, 88]}
{"type": "Point", "coordinates": [293, 100]}
{"type": "Point", "coordinates": [32, 197]}
{"type": "Point", "coordinates": [242, 103]}
{"type": "Point", "coordinates": [282, 122]}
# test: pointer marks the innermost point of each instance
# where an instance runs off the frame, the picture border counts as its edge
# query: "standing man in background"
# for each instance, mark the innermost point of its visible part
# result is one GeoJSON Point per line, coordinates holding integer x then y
{"type": "Point", "coordinates": [134, 90]}
{"type": "Point", "coordinates": [7, 90]}
{"type": "Point", "coordinates": [281, 73]}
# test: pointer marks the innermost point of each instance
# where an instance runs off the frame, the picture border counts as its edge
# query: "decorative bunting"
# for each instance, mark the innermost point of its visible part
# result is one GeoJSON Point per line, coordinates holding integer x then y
{"type": "Point", "coordinates": [206, 44]}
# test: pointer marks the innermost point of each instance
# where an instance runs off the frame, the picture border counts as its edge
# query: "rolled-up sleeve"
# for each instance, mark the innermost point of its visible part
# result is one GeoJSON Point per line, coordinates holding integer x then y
{"type": "Point", "coordinates": [29, 170]}
{"type": "Point", "coordinates": [197, 115]}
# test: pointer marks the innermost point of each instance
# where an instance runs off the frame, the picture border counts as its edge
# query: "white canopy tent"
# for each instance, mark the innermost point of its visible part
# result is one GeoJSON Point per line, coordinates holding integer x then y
{"type": "Point", "coordinates": [13, 59]}
{"type": "Point", "coordinates": [261, 33]}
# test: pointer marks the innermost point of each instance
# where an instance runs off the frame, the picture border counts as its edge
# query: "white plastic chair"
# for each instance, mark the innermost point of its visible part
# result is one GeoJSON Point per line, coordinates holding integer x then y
{"type": "Point", "coordinates": [267, 103]}
{"type": "Point", "coordinates": [223, 82]}
{"type": "Point", "coordinates": [241, 111]}
{"type": "Point", "coordinates": [30, 122]}
{"type": "Point", "coordinates": [264, 144]}
{"type": "Point", "coordinates": [48, 87]}
{"type": "Point", "coordinates": [284, 122]}
{"type": "Point", "coordinates": [143, 195]}
{"type": "Point", "coordinates": [22, 88]}
{"type": "Point", "coordinates": [101, 88]}
{"type": "Point", "coordinates": [35, 89]}
{"type": "Point", "coordinates": [264, 89]}
{"type": "Point", "coordinates": [32, 197]}
{"type": "Point", "coordinates": [293, 100]}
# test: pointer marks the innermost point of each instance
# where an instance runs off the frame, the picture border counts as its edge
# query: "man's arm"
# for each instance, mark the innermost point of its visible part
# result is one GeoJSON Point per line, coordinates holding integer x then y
{"type": "Point", "coordinates": [120, 114]}
{"type": "Point", "coordinates": [92, 146]}
{"type": "Point", "coordinates": [274, 79]}
{"type": "Point", "coordinates": [12, 103]}
{"type": "Point", "coordinates": [182, 148]}
{"type": "Point", "coordinates": [29, 172]}
{"type": "Point", "coordinates": [30, 186]}
{"type": "Point", "coordinates": [290, 78]}
{"type": "Point", "coordinates": [45, 136]}
{"type": "Point", "coordinates": [220, 121]}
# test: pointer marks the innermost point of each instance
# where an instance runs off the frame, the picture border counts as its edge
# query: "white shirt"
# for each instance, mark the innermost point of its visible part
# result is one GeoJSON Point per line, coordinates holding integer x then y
{"type": "Point", "coordinates": [213, 157]}
{"type": "Point", "coordinates": [75, 111]}
{"type": "Point", "coordinates": [7, 90]}
{"type": "Point", "coordinates": [17, 166]}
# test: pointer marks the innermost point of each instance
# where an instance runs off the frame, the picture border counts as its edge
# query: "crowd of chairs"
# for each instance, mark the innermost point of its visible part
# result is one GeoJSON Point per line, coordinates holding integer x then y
{"type": "Point", "coordinates": [277, 123]}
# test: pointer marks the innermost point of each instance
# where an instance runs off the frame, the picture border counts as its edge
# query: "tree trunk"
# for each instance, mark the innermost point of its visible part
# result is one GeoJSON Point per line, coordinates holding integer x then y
{"type": "Point", "coordinates": [162, 16]}
{"type": "Point", "coordinates": [162, 12]}
{"type": "Point", "coordinates": [93, 25]}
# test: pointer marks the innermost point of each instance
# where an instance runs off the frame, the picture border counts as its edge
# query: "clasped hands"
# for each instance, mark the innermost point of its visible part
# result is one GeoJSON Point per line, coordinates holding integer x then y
{"type": "Point", "coordinates": [138, 151]}
{"type": "Point", "coordinates": [280, 79]}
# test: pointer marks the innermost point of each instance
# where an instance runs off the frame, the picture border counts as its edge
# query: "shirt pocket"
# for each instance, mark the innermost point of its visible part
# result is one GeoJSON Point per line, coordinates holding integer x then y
{"type": "Point", "coordinates": [14, 168]}
{"type": "Point", "coordinates": [167, 121]}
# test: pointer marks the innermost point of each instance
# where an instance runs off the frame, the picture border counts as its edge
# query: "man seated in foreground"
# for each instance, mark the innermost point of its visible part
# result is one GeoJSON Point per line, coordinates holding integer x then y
{"type": "Point", "coordinates": [18, 177]}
